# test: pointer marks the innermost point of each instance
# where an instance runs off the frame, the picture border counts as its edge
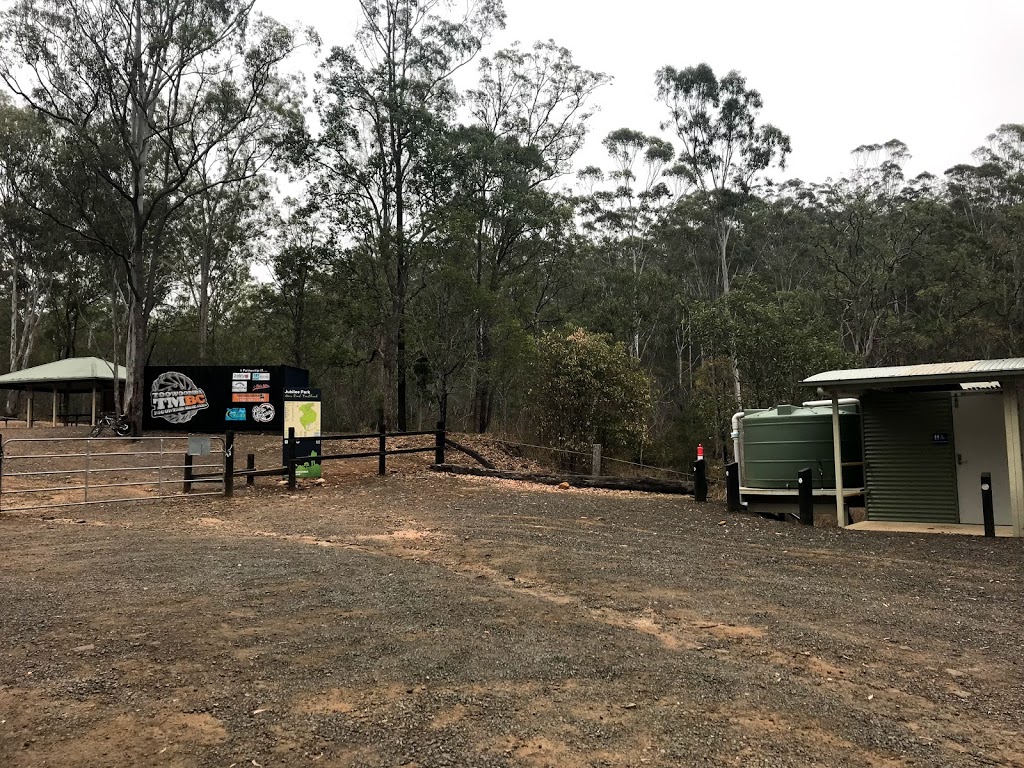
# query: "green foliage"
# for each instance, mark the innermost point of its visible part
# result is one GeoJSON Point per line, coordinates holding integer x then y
{"type": "Point", "coordinates": [588, 390]}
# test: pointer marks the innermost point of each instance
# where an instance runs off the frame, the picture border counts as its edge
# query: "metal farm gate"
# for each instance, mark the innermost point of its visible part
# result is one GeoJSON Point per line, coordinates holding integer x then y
{"type": "Point", "coordinates": [42, 473]}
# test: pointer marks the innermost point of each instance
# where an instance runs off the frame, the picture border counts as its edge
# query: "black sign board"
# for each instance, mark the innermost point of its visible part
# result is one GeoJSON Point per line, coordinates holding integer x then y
{"type": "Point", "coordinates": [215, 398]}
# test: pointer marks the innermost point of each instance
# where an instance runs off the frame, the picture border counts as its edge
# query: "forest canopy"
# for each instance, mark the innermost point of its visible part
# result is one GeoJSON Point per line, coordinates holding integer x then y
{"type": "Point", "coordinates": [172, 190]}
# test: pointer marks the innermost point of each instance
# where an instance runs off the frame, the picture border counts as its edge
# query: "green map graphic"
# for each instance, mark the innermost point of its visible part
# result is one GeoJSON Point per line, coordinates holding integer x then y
{"type": "Point", "coordinates": [307, 415]}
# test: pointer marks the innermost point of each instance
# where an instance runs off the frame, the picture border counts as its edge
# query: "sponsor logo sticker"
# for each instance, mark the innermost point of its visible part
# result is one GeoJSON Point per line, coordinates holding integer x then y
{"type": "Point", "coordinates": [263, 413]}
{"type": "Point", "coordinates": [239, 386]}
{"type": "Point", "coordinates": [235, 414]}
{"type": "Point", "coordinates": [251, 397]}
{"type": "Point", "coordinates": [260, 386]}
{"type": "Point", "coordinates": [261, 376]}
{"type": "Point", "coordinates": [175, 398]}
{"type": "Point", "coordinates": [241, 375]}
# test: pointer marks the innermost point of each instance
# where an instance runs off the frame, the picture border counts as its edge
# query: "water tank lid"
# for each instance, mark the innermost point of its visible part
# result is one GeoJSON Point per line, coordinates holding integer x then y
{"type": "Point", "coordinates": [784, 410]}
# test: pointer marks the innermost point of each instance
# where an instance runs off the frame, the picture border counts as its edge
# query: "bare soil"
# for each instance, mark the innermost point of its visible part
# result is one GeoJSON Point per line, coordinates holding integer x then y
{"type": "Point", "coordinates": [427, 620]}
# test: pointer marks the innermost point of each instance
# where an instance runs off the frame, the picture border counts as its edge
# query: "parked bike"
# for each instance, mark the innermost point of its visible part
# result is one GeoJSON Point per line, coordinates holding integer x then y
{"type": "Point", "coordinates": [119, 425]}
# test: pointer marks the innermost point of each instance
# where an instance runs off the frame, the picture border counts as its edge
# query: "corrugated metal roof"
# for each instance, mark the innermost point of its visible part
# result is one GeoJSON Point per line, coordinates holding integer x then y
{"type": "Point", "coordinates": [910, 375]}
{"type": "Point", "coordinates": [73, 369]}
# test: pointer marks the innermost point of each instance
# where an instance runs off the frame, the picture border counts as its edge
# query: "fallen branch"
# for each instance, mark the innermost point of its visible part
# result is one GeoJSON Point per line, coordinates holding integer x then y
{"type": "Point", "coordinates": [646, 484]}
{"type": "Point", "coordinates": [469, 452]}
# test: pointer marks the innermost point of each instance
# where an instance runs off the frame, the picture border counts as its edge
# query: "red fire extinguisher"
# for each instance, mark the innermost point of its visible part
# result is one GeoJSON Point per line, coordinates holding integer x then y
{"type": "Point", "coordinates": [700, 451]}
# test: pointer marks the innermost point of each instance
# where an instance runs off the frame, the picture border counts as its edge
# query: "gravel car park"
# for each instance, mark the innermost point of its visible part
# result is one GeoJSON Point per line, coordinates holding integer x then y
{"type": "Point", "coordinates": [429, 620]}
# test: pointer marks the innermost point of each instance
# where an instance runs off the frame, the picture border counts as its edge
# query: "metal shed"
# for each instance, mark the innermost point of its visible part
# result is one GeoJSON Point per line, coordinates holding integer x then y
{"type": "Point", "coordinates": [929, 432]}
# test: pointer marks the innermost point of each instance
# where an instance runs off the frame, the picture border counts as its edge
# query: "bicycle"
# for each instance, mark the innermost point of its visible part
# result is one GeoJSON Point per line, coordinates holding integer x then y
{"type": "Point", "coordinates": [119, 425]}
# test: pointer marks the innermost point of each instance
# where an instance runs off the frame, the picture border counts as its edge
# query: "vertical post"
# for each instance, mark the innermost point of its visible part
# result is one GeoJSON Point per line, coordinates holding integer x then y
{"type": "Point", "coordinates": [1014, 461]}
{"type": "Point", "coordinates": [88, 455]}
{"type": "Point", "coordinates": [732, 486]}
{"type": "Point", "coordinates": [988, 514]}
{"type": "Point", "coordinates": [291, 459]}
{"type": "Point", "coordinates": [382, 444]}
{"type": "Point", "coordinates": [595, 461]}
{"type": "Point", "coordinates": [837, 460]}
{"type": "Point", "coordinates": [92, 421]}
{"type": "Point", "coordinates": [439, 443]}
{"type": "Point", "coordinates": [805, 497]}
{"type": "Point", "coordinates": [1, 471]}
{"type": "Point", "coordinates": [186, 485]}
{"type": "Point", "coordinates": [250, 467]}
{"type": "Point", "coordinates": [54, 406]}
{"type": "Point", "coordinates": [229, 463]}
{"type": "Point", "coordinates": [700, 481]}
{"type": "Point", "coordinates": [28, 411]}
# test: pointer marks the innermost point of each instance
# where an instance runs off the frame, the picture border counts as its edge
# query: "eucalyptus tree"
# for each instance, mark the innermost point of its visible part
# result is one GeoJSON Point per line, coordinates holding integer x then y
{"type": "Point", "coordinates": [382, 99]}
{"type": "Point", "coordinates": [723, 148]}
{"type": "Point", "coordinates": [530, 112]}
{"type": "Point", "coordinates": [622, 214]}
{"type": "Point", "coordinates": [141, 94]}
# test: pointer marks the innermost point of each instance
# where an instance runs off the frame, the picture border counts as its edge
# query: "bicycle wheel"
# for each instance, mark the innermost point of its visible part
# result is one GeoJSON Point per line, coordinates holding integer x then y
{"type": "Point", "coordinates": [97, 430]}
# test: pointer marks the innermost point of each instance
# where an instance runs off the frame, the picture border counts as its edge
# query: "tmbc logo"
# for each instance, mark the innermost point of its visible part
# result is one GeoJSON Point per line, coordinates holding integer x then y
{"type": "Point", "coordinates": [174, 397]}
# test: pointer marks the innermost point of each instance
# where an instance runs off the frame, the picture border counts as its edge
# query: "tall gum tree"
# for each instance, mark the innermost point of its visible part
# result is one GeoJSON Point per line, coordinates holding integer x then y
{"type": "Point", "coordinates": [531, 109]}
{"type": "Point", "coordinates": [381, 101]}
{"type": "Point", "coordinates": [723, 149]}
{"type": "Point", "coordinates": [142, 93]}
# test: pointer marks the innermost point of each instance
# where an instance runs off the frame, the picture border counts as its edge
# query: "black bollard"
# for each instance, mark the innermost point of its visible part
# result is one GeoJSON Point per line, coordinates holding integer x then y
{"type": "Point", "coordinates": [988, 514]}
{"type": "Point", "coordinates": [732, 487]}
{"type": "Point", "coordinates": [700, 481]}
{"type": "Point", "coordinates": [805, 479]}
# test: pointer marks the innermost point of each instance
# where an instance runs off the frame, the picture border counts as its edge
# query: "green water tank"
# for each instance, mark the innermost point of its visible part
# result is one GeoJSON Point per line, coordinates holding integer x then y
{"type": "Point", "coordinates": [777, 443]}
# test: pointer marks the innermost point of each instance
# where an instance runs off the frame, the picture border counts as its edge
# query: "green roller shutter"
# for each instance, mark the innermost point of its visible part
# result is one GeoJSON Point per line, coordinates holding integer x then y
{"type": "Point", "coordinates": [909, 456]}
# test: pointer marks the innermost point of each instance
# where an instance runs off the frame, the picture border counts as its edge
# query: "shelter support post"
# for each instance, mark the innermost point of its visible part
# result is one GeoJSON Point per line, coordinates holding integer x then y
{"type": "Point", "coordinates": [1014, 461]}
{"type": "Point", "coordinates": [92, 421]}
{"type": "Point", "coordinates": [28, 409]}
{"type": "Point", "coordinates": [55, 406]}
{"type": "Point", "coordinates": [837, 458]}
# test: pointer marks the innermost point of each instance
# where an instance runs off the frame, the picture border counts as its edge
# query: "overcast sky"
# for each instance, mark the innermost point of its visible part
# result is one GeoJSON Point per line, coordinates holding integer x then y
{"type": "Point", "coordinates": [939, 75]}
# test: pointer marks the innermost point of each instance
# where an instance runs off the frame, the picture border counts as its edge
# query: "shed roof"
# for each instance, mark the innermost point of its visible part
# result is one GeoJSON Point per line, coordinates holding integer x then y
{"type": "Point", "coordinates": [920, 375]}
{"type": "Point", "coordinates": [94, 371]}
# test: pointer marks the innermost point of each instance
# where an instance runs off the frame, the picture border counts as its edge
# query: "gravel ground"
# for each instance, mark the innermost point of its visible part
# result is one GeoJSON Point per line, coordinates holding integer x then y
{"type": "Point", "coordinates": [425, 620]}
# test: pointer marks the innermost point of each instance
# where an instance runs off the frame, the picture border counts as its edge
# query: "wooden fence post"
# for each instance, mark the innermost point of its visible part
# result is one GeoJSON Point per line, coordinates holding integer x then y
{"type": "Point", "coordinates": [439, 443]}
{"type": "Point", "coordinates": [382, 444]}
{"type": "Point", "coordinates": [291, 459]}
{"type": "Point", "coordinates": [595, 462]}
{"type": "Point", "coordinates": [250, 467]}
{"type": "Point", "coordinates": [229, 463]}
{"type": "Point", "coordinates": [186, 485]}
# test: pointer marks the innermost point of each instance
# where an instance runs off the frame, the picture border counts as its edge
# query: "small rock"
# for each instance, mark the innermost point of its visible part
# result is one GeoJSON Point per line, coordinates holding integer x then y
{"type": "Point", "coordinates": [960, 693]}
{"type": "Point", "coordinates": [631, 705]}
{"type": "Point", "coordinates": [84, 648]}
{"type": "Point", "coordinates": [721, 522]}
{"type": "Point", "coordinates": [564, 486]}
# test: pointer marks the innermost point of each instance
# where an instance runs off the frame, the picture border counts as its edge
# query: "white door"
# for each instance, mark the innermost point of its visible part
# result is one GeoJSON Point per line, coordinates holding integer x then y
{"type": "Point", "coordinates": [980, 441]}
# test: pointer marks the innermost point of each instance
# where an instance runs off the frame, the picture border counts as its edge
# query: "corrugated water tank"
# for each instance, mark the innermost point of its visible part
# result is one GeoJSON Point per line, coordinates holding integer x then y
{"type": "Point", "coordinates": [780, 441]}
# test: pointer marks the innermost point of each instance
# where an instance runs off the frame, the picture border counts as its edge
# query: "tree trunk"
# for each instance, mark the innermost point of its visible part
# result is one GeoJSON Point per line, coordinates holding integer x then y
{"type": "Point", "coordinates": [204, 302]}
{"type": "Point", "coordinates": [723, 251]}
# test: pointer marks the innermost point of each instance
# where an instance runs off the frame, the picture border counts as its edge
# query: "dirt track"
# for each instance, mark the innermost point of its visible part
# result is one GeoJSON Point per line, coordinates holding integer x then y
{"type": "Point", "coordinates": [431, 621]}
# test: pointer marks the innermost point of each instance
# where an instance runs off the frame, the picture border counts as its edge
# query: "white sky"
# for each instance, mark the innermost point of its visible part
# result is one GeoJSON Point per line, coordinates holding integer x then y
{"type": "Point", "coordinates": [940, 75]}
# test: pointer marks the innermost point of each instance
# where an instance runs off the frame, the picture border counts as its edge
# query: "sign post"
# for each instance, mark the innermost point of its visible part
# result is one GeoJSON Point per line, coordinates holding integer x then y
{"type": "Point", "coordinates": [302, 414]}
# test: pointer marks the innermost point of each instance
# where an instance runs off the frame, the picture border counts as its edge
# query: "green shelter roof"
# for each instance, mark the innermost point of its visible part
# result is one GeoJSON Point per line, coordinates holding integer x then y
{"type": "Point", "coordinates": [74, 372]}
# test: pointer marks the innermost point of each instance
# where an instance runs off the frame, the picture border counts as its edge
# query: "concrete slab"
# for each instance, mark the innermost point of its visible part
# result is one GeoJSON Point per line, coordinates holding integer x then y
{"type": "Point", "coordinates": [901, 527]}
